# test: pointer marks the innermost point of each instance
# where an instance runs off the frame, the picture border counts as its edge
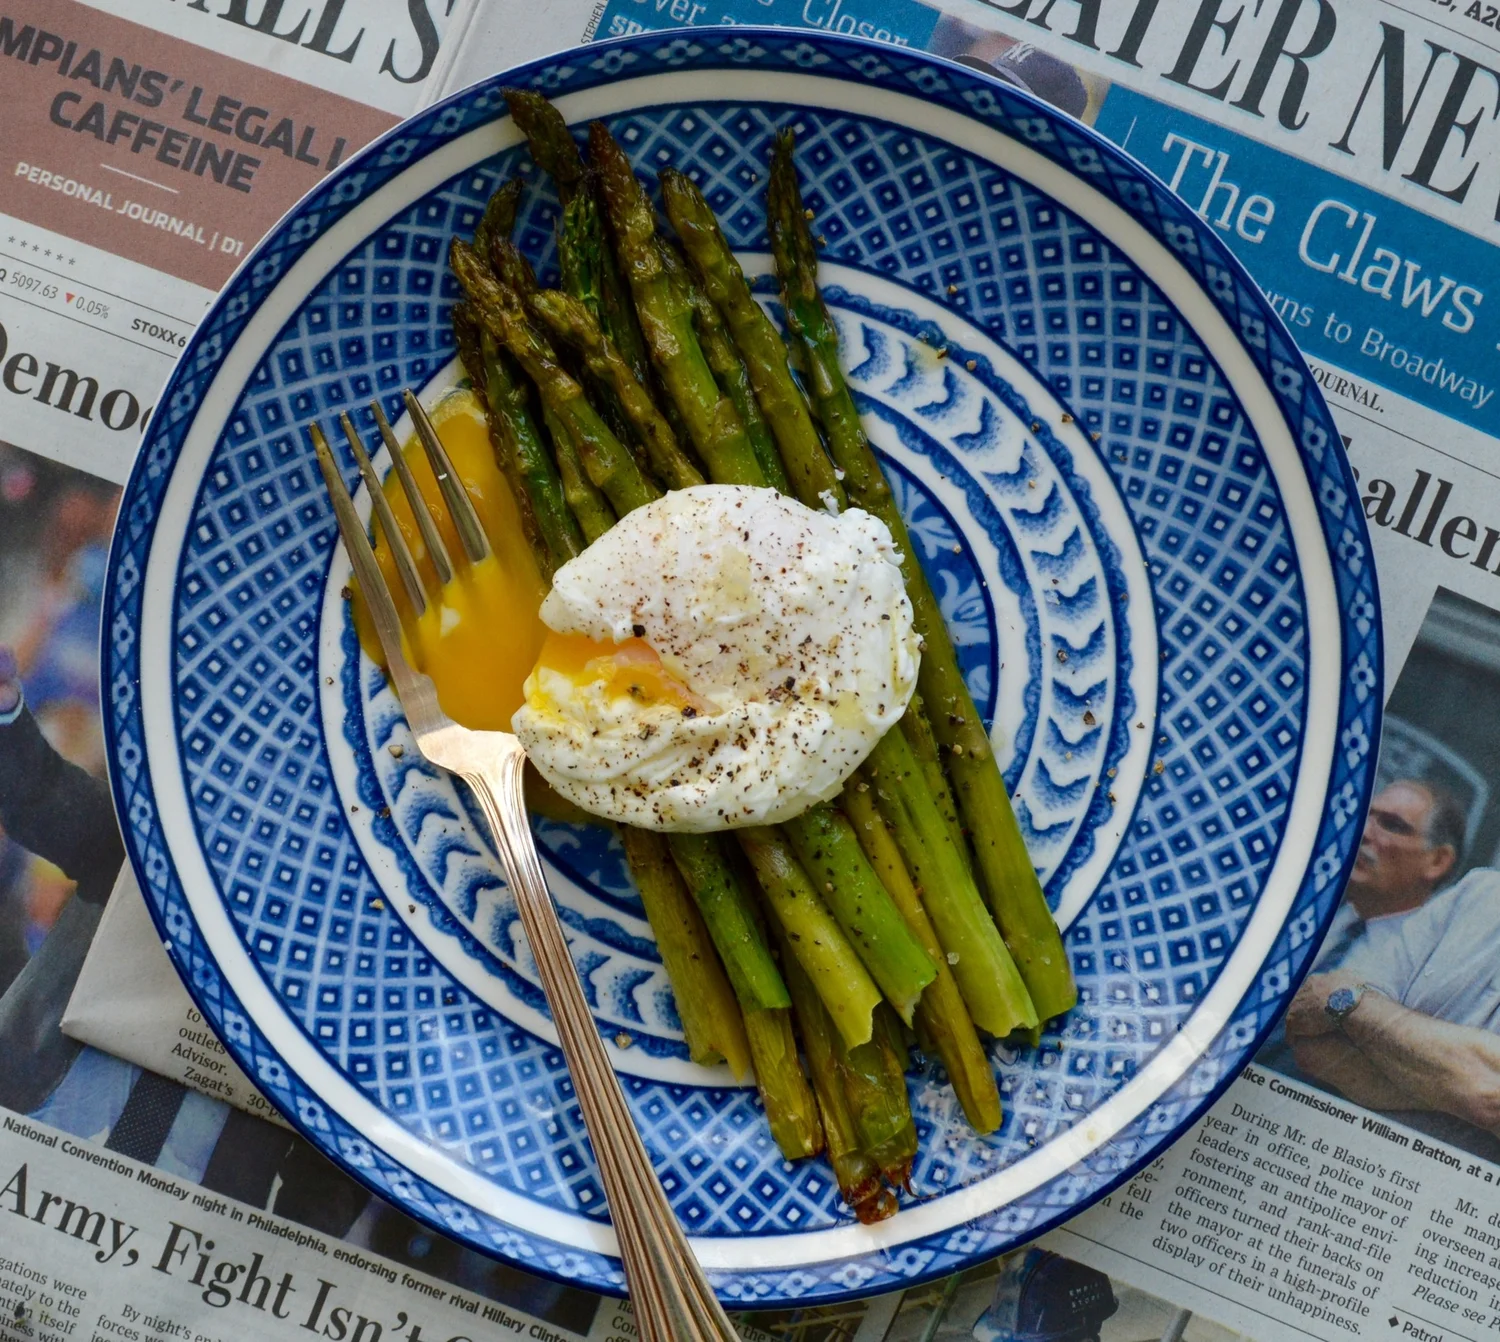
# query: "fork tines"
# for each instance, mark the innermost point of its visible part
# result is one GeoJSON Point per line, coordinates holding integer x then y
{"type": "Point", "coordinates": [460, 507]}
{"type": "Point", "coordinates": [367, 573]}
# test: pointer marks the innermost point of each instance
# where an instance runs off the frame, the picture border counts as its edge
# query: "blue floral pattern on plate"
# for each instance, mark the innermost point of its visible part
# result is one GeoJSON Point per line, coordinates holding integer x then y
{"type": "Point", "coordinates": [1195, 439]}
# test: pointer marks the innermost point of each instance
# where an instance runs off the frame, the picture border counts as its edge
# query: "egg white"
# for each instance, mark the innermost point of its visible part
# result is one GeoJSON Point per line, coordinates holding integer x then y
{"type": "Point", "coordinates": [794, 625]}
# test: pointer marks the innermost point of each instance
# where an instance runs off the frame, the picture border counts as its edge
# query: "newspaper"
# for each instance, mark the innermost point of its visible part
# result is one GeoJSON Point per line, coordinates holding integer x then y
{"type": "Point", "coordinates": [99, 1246]}
{"type": "Point", "coordinates": [146, 147]}
{"type": "Point", "coordinates": [148, 1017]}
{"type": "Point", "coordinates": [1345, 1185]}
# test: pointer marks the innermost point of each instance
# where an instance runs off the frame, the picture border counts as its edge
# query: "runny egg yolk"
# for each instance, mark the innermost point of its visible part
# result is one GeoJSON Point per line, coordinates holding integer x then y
{"type": "Point", "coordinates": [631, 668]}
{"type": "Point", "coordinates": [479, 638]}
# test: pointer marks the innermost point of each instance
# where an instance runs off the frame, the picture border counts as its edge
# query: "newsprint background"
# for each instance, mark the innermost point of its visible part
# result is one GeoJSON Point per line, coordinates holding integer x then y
{"type": "Point", "coordinates": [1345, 1186]}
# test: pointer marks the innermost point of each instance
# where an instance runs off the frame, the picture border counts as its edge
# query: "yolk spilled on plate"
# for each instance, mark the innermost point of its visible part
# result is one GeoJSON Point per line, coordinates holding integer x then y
{"type": "Point", "coordinates": [479, 639]}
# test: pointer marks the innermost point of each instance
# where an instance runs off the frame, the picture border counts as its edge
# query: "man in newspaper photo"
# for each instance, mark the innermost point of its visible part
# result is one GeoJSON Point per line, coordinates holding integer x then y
{"type": "Point", "coordinates": [1401, 1013]}
{"type": "Point", "coordinates": [60, 847]}
{"type": "Point", "coordinates": [1409, 1022]}
{"type": "Point", "coordinates": [62, 814]}
{"type": "Point", "coordinates": [1412, 842]}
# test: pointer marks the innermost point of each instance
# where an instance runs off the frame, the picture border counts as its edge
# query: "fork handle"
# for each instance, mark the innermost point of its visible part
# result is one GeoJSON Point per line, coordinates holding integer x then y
{"type": "Point", "coordinates": [672, 1298]}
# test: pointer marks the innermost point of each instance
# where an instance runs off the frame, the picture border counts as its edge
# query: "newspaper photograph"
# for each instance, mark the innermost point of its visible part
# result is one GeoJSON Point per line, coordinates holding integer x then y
{"type": "Point", "coordinates": [1345, 1186]}
{"type": "Point", "coordinates": [60, 849]}
{"type": "Point", "coordinates": [1419, 914]}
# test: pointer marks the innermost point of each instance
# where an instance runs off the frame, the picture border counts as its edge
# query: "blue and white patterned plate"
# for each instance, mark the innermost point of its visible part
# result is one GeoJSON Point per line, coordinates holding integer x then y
{"type": "Point", "coordinates": [1132, 503]}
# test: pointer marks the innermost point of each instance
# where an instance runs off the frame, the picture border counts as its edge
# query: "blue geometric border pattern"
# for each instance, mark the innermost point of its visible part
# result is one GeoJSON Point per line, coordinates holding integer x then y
{"type": "Point", "coordinates": [401, 342]}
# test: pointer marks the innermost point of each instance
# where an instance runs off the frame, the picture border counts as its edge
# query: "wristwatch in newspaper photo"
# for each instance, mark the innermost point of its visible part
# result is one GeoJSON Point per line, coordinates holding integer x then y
{"type": "Point", "coordinates": [1342, 1001]}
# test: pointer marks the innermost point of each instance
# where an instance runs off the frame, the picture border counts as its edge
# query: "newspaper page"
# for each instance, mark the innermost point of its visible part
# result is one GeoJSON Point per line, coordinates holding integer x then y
{"type": "Point", "coordinates": [1344, 1186]}
{"type": "Point", "coordinates": [146, 147]}
{"type": "Point", "coordinates": [97, 1245]}
{"type": "Point", "coordinates": [100, 1246]}
{"type": "Point", "coordinates": [199, 1241]}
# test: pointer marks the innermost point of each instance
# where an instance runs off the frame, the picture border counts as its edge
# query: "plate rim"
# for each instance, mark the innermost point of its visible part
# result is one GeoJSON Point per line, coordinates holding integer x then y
{"type": "Point", "coordinates": [707, 39]}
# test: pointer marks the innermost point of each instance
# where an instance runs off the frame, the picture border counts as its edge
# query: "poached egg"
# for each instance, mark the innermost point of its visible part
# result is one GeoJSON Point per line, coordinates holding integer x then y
{"type": "Point", "coordinates": [724, 656]}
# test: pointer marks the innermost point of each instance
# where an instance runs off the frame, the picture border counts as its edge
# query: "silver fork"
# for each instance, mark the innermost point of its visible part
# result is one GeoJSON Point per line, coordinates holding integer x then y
{"type": "Point", "coordinates": [673, 1300]}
